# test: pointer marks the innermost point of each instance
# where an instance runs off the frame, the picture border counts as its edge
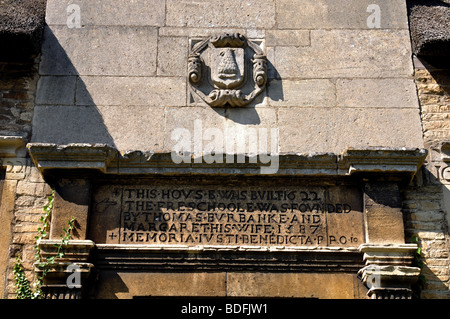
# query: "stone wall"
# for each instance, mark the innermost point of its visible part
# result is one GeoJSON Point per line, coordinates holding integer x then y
{"type": "Point", "coordinates": [24, 197]}
{"type": "Point", "coordinates": [24, 190]}
{"type": "Point", "coordinates": [335, 80]}
{"type": "Point", "coordinates": [18, 80]}
{"type": "Point", "coordinates": [426, 204]}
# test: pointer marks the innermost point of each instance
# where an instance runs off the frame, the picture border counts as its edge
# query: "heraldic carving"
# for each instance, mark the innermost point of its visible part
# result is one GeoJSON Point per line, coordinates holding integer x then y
{"type": "Point", "coordinates": [227, 70]}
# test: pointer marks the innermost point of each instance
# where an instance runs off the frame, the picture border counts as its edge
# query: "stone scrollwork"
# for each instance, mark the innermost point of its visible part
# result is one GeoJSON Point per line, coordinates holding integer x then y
{"type": "Point", "coordinates": [227, 70]}
{"type": "Point", "coordinates": [194, 68]}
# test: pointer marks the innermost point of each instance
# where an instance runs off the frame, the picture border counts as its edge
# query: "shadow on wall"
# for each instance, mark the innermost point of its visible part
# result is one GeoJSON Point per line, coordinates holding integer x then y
{"type": "Point", "coordinates": [439, 72]}
{"type": "Point", "coordinates": [67, 113]}
{"type": "Point", "coordinates": [57, 117]}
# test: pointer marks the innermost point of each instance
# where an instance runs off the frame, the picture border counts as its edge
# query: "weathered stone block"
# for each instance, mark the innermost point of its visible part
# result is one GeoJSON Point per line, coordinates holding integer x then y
{"type": "Point", "coordinates": [26, 188]}
{"type": "Point", "coordinates": [206, 130]}
{"type": "Point", "coordinates": [287, 38]}
{"type": "Point", "coordinates": [56, 90]}
{"type": "Point", "coordinates": [310, 130]}
{"type": "Point", "coordinates": [347, 53]}
{"type": "Point", "coordinates": [172, 56]}
{"type": "Point", "coordinates": [396, 93]}
{"type": "Point", "coordinates": [99, 50]}
{"type": "Point", "coordinates": [71, 201]}
{"type": "Point", "coordinates": [306, 130]}
{"type": "Point", "coordinates": [86, 125]}
{"type": "Point", "coordinates": [383, 214]}
{"type": "Point", "coordinates": [301, 93]}
{"type": "Point", "coordinates": [364, 128]}
{"type": "Point", "coordinates": [285, 285]}
{"type": "Point", "coordinates": [161, 284]}
{"type": "Point", "coordinates": [323, 14]}
{"type": "Point", "coordinates": [127, 128]}
{"type": "Point", "coordinates": [185, 127]}
{"type": "Point", "coordinates": [7, 216]}
{"type": "Point", "coordinates": [221, 13]}
{"type": "Point", "coordinates": [151, 91]}
{"type": "Point", "coordinates": [113, 12]}
{"type": "Point", "coordinates": [135, 127]}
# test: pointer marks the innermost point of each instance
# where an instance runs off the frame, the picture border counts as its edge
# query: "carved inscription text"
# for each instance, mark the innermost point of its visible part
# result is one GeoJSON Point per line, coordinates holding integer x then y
{"type": "Point", "coordinates": [285, 216]}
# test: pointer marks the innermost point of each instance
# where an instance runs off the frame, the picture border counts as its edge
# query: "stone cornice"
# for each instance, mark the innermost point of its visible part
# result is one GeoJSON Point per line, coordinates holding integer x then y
{"type": "Point", "coordinates": [108, 160]}
{"type": "Point", "coordinates": [12, 147]}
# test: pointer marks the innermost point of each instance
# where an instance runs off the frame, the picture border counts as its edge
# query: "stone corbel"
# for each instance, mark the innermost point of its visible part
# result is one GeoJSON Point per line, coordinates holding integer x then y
{"type": "Point", "coordinates": [68, 275]}
{"type": "Point", "coordinates": [388, 271]}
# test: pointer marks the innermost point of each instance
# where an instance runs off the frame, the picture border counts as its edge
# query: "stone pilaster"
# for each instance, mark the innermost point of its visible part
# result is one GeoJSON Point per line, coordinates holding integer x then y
{"type": "Point", "coordinates": [388, 271]}
{"type": "Point", "coordinates": [68, 276]}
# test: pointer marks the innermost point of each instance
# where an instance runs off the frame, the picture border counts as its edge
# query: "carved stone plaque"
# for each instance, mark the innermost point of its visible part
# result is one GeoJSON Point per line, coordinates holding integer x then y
{"type": "Point", "coordinates": [227, 70]}
{"type": "Point", "coordinates": [287, 216]}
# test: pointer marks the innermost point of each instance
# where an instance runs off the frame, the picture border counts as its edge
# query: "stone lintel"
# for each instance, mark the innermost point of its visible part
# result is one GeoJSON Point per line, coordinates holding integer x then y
{"type": "Point", "coordinates": [403, 162]}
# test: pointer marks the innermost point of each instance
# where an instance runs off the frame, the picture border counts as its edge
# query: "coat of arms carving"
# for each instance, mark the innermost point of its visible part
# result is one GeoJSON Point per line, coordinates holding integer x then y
{"type": "Point", "coordinates": [227, 70]}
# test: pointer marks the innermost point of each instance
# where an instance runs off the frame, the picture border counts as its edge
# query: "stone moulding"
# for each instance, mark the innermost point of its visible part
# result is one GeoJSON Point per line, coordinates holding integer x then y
{"type": "Point", "coordinates": [84, 156]}
{"type": "Point", "coordinates": [445, 151]}
{"type": "Point", "coordinates": [225, 248]}
{"type": "Point", "coordinates": [12, 146]}
{"type": "Point", "coordinates": [76, 254]}
{"type": "Point", "coordinates": [218, 70]}
{"type": "Point", "coordinates": [160, 257]}
{"type": "Point", "coordinates": [75, 251]}
{"type": "Point", "coordinates": [382, 160]}
{"type": "Point", "coordinates": [13, 156]}
{"type": "Point", "coordinates": [108, 160]}
{"type": "Point", "coordinates": [388, 271]}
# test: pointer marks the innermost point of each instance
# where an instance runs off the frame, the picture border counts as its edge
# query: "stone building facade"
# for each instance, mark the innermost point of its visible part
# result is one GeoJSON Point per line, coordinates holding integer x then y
{"type": "Point", "coordinates": [279, 148]}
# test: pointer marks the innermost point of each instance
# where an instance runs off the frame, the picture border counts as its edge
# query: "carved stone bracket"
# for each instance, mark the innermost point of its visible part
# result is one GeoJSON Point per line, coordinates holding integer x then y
{"type": "Point", "coordinates": [227, 70]}
{"type": "Point", "coordinates": [67, 277]}
{"type": "Point", "coordinates": [388, 271]}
